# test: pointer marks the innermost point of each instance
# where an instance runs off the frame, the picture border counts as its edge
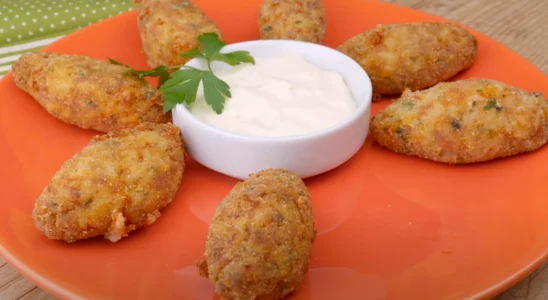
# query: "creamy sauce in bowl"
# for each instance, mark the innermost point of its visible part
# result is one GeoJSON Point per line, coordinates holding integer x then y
{"type": "Point", "coordinates": [279, 96]}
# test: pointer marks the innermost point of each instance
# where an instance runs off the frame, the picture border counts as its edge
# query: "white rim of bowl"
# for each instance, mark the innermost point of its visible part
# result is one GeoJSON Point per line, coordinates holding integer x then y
{"type": "Point", "coordinates": [181, 108]}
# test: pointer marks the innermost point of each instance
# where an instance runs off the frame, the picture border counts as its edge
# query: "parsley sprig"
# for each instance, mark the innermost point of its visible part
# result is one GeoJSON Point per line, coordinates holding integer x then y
{"type": "Point", "coordinates": [182, 85]}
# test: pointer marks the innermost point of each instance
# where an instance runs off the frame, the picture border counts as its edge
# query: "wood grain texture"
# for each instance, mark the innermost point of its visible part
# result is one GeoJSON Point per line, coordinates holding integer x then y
{"type": "Point", "coordinates": [519, 24]}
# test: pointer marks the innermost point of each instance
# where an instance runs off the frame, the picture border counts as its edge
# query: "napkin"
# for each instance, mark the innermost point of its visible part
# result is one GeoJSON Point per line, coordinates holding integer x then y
{"type": "Point", "coordinates": [29, 25]}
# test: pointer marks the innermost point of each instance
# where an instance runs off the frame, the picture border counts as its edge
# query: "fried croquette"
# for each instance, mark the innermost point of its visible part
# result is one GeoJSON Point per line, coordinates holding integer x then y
{"type": "Point", "coordinates": [169, 28]}
{"type": "Point", "coordinates": [412, 55]}
{"type": "Point", "coordinates": [260, 239]}
{"type": "Point", "coordinates": [118, 183]}
{"type": "Point", "coordinates": [302, 20]}
{"type": "Point", "coordinates": [465, 121]}
{"type": "Point", "coordinates": [88, 93]}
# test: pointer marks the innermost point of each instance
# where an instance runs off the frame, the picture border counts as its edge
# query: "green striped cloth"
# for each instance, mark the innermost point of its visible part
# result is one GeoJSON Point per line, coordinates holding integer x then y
{"type": "Point", "coordinates": [28, 25]}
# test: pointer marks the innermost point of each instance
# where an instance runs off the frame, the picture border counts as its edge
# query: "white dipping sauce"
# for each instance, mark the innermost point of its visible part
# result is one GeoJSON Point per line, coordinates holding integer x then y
{"type": "Point", "coordinates": [278, 96]}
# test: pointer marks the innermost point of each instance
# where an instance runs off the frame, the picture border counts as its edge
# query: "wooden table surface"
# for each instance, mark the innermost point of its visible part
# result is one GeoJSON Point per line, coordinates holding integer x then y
{"type": "Point", "coordinates": [519, 24]}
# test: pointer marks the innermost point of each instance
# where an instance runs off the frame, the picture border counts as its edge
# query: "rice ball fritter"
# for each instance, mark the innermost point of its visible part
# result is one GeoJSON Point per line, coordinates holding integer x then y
{"type": "Point", "coordinates": [87, 92]}
{"type": "Point", "coordinates": [465, 121]}
{"type": "Point", "coordinates": [118, 183]}
{"type": "Point", "coordinates": [260, 239]}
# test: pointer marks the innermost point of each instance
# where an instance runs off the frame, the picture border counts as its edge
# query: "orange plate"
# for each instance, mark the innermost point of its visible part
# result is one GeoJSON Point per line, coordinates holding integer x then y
{"type": "Point", "coordinates": [389, 226]}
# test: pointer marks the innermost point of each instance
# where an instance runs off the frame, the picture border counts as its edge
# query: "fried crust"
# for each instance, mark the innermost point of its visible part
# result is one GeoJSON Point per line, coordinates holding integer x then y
{"type": "Point", "coordinates": [118, 183]}
{"type": "Point", "coordinates": [411, 56]}
{"type": "Point", "coordinates": [302, 20]}
{"type": "Point", "coordinates": [466, 121]}
{"type": "Point", "coordinates": [88, 93]}
{"type": "Point", "coordinates": [260, 239]}
{"type": "Point", "coordinates": [171, 27]}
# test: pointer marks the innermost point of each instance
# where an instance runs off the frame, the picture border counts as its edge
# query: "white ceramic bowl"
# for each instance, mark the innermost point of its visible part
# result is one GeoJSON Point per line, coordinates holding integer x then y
{"type": "Point", "coordinates": [307, 155]}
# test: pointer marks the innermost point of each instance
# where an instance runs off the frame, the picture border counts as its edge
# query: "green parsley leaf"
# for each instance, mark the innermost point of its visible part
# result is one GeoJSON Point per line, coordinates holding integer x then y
{"type": "Point", "coordinates": [112, 61]}
{"type": "Point", "coordinates": [193, 53]}
{"type": "Point", "coordinates": [182, 87]}
{"type": "Point", "coordinates": [215, 91]}
{"type": "Point", "coordinates": [492, 104]}
{"type": "Point", "coordinates": [169, 104]}
{"type": "Point", "coordinates": [158, 71]}
{"type": "Point", "coordinates": [234, 58]}
{"type": "Point", "coordinates": [210, 44]}
{"type": "Point", "coordinates": [161, 71]}
{"type": "Point", "coordinates": [163, 78]}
